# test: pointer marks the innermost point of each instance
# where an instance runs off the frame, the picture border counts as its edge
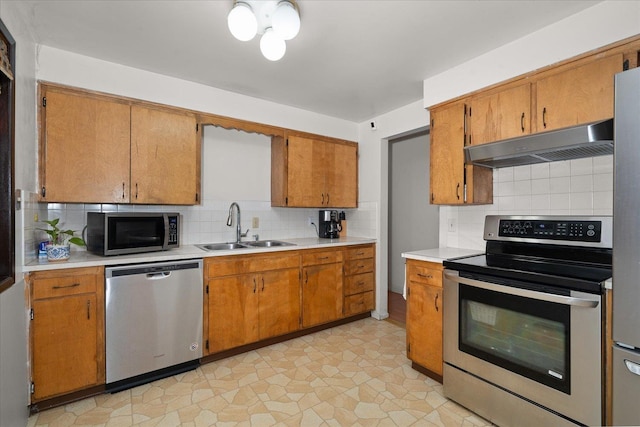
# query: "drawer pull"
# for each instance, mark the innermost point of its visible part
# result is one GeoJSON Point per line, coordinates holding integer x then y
{"type": "Point", "coordinates": [426, 276]}
{"type": "Point", "coordinates": [360, 253]}
{"type": "Point", "coordinates": [360, 283]}
{"type": "Point", "coordinates": [73, 285]}
{"type": "Point", "coordinates": [323, 257]}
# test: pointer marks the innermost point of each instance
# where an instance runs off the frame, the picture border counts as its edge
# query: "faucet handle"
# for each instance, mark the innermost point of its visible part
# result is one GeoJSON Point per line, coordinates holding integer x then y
{"type": "Point", "coordinates": [245, 233]}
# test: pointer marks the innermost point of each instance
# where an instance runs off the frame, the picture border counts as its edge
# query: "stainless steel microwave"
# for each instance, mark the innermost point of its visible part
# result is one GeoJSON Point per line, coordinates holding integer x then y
{"type": "Point", "coordinates": [119, 233]}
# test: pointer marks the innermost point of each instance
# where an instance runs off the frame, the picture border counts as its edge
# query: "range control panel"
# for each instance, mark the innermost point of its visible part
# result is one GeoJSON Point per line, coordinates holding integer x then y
{"type": "Point", "coordinates": [583, 231]}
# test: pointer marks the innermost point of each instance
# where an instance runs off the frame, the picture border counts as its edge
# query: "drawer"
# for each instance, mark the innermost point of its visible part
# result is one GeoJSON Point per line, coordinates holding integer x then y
{"type": "Point", "coordinates": [358, 283]}
{"type": "Point", "coordinates": [322, 257]}
{"type": "Point", "coordinates": [65, 285]}
{"type": "Point", "coordinates": [426, 273]}
{"type": "Point", "coordinates": [223, 266]}
{"type": "Point", "coordinates": [358, 303]}
{"type": "Point", "coordinates": [359, 252]}
{"type": "Point", "coordinates": [288, 259]}
{"type": "Point", "coordinates": [358, 266]}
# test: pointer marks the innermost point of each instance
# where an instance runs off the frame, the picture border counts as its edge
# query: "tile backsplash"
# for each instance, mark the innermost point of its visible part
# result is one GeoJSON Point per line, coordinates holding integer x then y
{"type": "Point", "coordinates": [572, 187]}
{"type": "Point", "coordinates": [205, 223]}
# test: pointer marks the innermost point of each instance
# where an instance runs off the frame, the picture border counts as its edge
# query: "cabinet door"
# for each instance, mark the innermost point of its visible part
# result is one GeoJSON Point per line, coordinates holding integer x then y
{"type": "Point", "coordinates": [341, 175]}
{"type": "Point", "coordinates": [65, 345]}
{"type": "Point", "coordinates": [424, 326]}
{"type": "Point", "coordinates": [165, 157]}
{"type": "Point", "coordinates": [279, 302]}
{"type": "Point", "coordinates": [501, 115]}
{"type": "Point", "coordinates": [233, 312]}
{"type": "Point", "coordinates": [579, 95]}
{"type": "Point", "coordinates": [305, 178]}
{"type": "Point", "coordinates": [447, 155]}
{"type": "Point", "coordinates": [321, 294]}
{"type": "Point", "coordinates": [84, 149]}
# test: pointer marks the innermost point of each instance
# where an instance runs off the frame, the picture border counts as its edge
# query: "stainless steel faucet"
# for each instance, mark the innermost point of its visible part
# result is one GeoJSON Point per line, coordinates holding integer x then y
{"type": "Point", "coordinates": [239, 234]}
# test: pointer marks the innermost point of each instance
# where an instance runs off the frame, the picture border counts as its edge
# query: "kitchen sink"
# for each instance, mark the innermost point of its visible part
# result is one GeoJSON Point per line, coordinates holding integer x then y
{"type": "Point", "coordinates": [243, 245]}
{"type": "Point", "coordinates": [267, 243]}
{"type": "Point", "coordinates": [222, 246]}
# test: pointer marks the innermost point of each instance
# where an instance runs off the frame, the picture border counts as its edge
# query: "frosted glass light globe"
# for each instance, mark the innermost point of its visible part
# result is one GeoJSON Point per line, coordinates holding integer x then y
{"type": "Point", "coordinates": [272, 47]}
{"type": "Point", "coordinates": [242, 22]}
{"type": "Point", "coordinates": [286, 21]}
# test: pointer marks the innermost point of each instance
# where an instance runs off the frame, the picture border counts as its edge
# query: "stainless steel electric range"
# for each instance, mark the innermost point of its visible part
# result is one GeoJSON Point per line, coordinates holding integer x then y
{"type": "Point", "coordinates": [523, 338]}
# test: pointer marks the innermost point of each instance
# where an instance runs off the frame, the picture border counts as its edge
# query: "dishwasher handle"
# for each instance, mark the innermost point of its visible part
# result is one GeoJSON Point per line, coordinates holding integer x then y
{"type": "Point", "coordinates": [158, 276]}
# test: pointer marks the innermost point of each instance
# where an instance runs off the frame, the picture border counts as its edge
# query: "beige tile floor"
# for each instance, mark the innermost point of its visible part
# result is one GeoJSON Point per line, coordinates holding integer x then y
{"type": "Point", "coordinates": [351, 375]}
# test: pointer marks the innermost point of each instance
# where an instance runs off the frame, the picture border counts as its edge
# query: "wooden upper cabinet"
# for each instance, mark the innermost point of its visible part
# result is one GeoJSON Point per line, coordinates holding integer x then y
{"type": "Point", "coordinates": [447, 155]}
{"type": "Point", "coordinates": [165, 157]}
{"type": "Point", "coordinates": [309, 172]}
{"type": "Point", "coordinates": [501, 115]}
{"type": "Point", "coordinates": [451, 181]}
{"type": "Point", "coordinates": [84, 148]}
{"type": "Point", "coordinates": [578, 95]}
{"type": "Point", "coordinates": [103, 149]}
{"type": "Point", "coordinates": [341, 179]}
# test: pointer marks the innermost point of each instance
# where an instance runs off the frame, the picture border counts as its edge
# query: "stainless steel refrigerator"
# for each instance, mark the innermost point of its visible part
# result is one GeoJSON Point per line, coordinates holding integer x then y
{"type": "Point", "coordinates": [626, 250]}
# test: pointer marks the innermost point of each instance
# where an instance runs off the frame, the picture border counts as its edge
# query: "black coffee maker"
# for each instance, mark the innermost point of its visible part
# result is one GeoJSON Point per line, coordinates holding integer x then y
{"type": "Point", "coordinates": [329, 224]}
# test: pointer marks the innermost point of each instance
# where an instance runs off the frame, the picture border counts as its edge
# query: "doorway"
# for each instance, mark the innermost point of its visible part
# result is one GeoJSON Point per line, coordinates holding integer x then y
{"type": "Point", "coordinates": [413, 222]}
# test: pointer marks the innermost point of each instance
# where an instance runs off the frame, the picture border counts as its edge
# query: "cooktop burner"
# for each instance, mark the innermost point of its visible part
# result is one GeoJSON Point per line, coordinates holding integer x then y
{"type": "Point", "coordinates": [565, 252]}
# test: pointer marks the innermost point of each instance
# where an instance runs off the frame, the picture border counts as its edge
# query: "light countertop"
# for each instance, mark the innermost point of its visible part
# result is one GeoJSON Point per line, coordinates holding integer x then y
{"type": "Point", "coordinates": [440, 254]}
{"type": "Point", "coordinates": [87, 259]}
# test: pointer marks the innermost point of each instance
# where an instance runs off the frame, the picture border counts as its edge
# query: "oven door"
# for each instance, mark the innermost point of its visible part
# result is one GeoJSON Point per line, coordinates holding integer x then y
{"type": "Point", "coordinates": [542, 344]}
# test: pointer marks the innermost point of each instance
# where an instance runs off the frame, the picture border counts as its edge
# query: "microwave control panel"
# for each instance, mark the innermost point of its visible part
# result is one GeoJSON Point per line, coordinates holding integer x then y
{"type": "Point", "coordinates": [173, 229]}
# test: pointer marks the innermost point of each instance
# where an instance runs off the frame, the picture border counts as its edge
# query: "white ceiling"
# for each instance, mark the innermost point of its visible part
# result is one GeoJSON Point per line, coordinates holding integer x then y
{"type": "Point", "coordinates": [353, 59]}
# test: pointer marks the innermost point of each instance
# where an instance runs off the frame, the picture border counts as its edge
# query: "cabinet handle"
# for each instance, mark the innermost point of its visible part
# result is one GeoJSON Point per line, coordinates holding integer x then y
{"type": "Point", "coordinates": [136, 191]}
{"type": "Point", "coordinates": [262, 283]}
{"type": "Point", "coordinates": [322, 199]}
{"type": "Point", "coordinates": [254, 285]}
{"type": "Point", "coordinates": [306, 277]}
{"type": "Point", "coordinates": [123, 190]}
{"type": "Point", "coordinates": [426, 276]}
{"type": "Point", "coordinates": [544, 117]}
{"type": "Point", "coordinates": [74, 285]}
{"type": "Point", "coordinates": [88, 309]}
{"type": "Point", "coordinates": [458, 191]}
{"type": "Point", "coordinates": [436, 302]}
{"type": "Point", "coordinates": [327, 199]}
{"type": "Point", "coordinates": [522, 122]}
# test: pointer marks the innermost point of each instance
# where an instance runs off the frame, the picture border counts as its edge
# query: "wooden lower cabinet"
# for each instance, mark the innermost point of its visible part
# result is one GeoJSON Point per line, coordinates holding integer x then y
{"type": "Point", "coordinates": [424, 315]}
{"type": "Point", "coordinates": [250, 298]}
{"type": "Point", "coordinates": [66, 331]}
{"type": "Point", "coordinates": [322, 296]}
{"type": "Point", "coordinates": [359, 279]}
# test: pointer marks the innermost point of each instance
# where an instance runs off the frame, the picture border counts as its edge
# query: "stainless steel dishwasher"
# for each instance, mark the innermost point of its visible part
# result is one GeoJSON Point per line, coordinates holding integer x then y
{"type": "Point", "coordinates": [153, 321]}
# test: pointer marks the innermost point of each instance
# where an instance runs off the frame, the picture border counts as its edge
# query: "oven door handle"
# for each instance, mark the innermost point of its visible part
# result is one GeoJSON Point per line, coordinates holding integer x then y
{"type": "Point", "coordinates": [542, 296]}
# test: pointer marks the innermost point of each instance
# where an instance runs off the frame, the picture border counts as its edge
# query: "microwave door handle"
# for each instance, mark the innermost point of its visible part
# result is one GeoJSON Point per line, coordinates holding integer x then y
{"type": "Point", "coordinates": [542, 296]}
{"type": "Point", "coordinates": [165, 244]}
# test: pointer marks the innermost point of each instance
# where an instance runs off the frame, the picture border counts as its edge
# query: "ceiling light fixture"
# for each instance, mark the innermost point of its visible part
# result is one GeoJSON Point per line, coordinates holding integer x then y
{"type": "Point", "coordinates": [276, 20]}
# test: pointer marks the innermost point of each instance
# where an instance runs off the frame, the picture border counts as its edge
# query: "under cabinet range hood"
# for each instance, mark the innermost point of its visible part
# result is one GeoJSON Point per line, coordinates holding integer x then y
{"type": "Point", "coordinates": [589, 140]}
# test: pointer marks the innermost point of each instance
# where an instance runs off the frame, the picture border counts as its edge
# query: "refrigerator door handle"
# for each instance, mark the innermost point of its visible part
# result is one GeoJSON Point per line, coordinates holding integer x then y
{"type": "Point", "coordinates": [633, 367]}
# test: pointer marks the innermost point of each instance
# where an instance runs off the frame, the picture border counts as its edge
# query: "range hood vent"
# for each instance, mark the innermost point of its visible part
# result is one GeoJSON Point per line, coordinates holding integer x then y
{"type": "Point", "coordinates": [590, 140]}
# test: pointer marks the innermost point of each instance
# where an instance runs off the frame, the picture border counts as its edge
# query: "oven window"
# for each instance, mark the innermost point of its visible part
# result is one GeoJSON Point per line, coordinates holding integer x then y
{"type": "Point", "coordinates": [526, 336]}
{"type": "Point", "coordinates": [136, 232]}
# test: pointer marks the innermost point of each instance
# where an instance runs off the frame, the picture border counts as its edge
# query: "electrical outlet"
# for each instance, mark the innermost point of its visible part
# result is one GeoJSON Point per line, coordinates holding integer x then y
{"type": "Point", "coordinates": [255, 222]}
{"type": "Point", "coordinates": [310, 220]}
{"type": "Point", "coordinates": [452, 225]}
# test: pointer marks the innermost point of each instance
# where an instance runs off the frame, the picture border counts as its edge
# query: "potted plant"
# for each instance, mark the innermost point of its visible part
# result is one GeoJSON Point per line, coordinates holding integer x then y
{"type": "Point", "coordinates": [59, 246]}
